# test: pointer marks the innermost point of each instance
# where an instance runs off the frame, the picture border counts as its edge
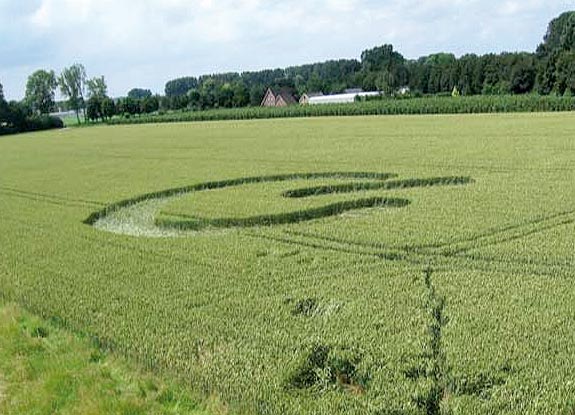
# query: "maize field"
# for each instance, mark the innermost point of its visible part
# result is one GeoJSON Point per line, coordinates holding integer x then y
{"type": "Point", "coordinates": [477, 104]}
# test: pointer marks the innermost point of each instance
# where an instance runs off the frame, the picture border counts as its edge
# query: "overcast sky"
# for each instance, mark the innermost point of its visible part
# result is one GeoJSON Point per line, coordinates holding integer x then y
{"type": "Point", "coordinates": [144, 43]}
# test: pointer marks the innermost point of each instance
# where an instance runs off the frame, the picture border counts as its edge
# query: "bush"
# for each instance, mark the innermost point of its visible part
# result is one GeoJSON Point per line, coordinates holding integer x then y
{"type": "Point", "coordinates": [43, 122]}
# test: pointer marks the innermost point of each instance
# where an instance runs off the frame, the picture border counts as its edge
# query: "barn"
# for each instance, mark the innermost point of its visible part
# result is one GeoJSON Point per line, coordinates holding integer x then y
{"type": "Point", "coordinates": [281, 98]}
{"type": "Point", "coordinates": [340, 98]}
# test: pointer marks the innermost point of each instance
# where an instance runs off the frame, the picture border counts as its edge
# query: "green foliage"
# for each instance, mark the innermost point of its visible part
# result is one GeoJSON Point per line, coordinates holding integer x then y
{"type": "Point", "coordinates": [4, 113]}
{"type": "Point", "coordinates": [139, 93]}
{"type": "Point", "coordinates": [40, 90]}
{"type": "Point", "coordinates": [560, 34]}
{"type": "Point", "coordinates": [522, 78]}
{"type": "Point", "coordinates": [97, 87]}
{"type": "Point", "coordinates": [43, 122]}
{"type": "Point", "coordinates": [108, 108]}
{"type": "Point", "coordinates": [554, 55]}
{"type": "Point", "coordinates": [14, 116]}
{"type": "Point", "coordinates": [17, 117]}
{"type": "Point", "coordinates": [565, 73]}
{"type": "Point", "coordinates": [149, 104]}
{"type": "Point", "coordinates": [384, 69]}
{"type": "Point", "coordinates": [181, 86]}
{"type": "Point", "coordinates": [94, 108]}
{"type": "Point", "coordinates": [128, 105]}
{"type": "Point", "coordinates": [72, 83]}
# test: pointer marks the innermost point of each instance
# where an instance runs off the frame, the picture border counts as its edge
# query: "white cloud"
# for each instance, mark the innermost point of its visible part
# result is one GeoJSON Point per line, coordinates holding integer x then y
{"type": "Point", "coordinates": [148, 42]}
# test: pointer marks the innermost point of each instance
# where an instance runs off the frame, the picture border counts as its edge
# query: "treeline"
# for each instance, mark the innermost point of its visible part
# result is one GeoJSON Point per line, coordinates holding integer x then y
{"type": "Point", "coordinates": [139, 101]}
{"type": "Point", "coordinates": [17, 117]}
{"type": "Point", "coordinates": [33, 112]}
{"type": "Point", "coordinates": [87, 97]}
{"type": "Point", "coordinates": [549, 70]}
{"type": "Point", "coordinates": [478, 104]}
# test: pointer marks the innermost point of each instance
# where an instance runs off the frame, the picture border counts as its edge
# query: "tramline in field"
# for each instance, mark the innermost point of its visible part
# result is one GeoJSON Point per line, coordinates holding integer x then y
{"type": "Point", "coordinates": [406, 265]}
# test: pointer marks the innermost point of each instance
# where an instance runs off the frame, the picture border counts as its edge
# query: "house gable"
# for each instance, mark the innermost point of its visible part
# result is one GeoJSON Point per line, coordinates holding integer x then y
{"type": "Point", "coordinates": [269, 99]}
{"type": "Point", "coordinates": [282, 99]}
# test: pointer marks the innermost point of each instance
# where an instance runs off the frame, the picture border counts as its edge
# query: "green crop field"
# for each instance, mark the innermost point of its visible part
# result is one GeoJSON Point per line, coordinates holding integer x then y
{"type": "Point", "coordinates": [362, 265]}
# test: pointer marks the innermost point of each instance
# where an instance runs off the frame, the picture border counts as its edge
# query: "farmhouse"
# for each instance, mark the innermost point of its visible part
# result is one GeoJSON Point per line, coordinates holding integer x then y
{"type": "Point", "coordinates": [281, 98]}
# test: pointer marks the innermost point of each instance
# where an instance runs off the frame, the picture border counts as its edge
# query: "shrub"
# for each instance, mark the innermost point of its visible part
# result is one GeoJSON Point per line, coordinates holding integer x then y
{"type": "Point", "coordinates": [43, 122]}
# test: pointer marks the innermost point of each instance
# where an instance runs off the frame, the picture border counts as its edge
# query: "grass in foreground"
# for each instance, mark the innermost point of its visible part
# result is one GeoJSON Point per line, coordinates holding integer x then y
{"type": "Point", "coordinates": [47, 370]}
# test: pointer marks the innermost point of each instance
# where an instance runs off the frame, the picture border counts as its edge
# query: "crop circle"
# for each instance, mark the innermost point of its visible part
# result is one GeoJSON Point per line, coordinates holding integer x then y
{"type": "Point", "coordinates": [138, 216]}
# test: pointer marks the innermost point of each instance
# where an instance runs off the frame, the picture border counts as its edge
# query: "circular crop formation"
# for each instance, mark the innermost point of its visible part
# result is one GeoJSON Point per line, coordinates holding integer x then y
{"type": "Point", "coordinates": [138, 216]}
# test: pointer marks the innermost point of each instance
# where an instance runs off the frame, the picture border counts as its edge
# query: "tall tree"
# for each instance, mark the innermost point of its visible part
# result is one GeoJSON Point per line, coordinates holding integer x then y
{"type": "Point", "coordinates": [3, 110]}
{"type": "Point", "coordinates": [97, 93]}
{"type": "Point", "coordinates": [72, 85]}
{"type": "Point", "coordinates": [40, 91]}
{"type": "Point", "coordinates": [442, 72]}
{"type": "Point", "coordinates": [149, 104]}
{"type": "Point", "coordinates": [108, 108]}
{"type": "Point", "coordinates": [389, 68]}
{"type": "Point", "coordinates": [560, 34]}
{"type": "Point", "coordinates": [94, 108]}
{"type": "Point", "coordinates": [97, 87]}
{"type": "Point", "coordinates": [565, 73]}
{"type": "Point", "coordinates": [180, 86]}
{"type": "Point", "coordinates": [522, 77]}
{"type": "Point", "coordinates": [559, 39]}
{"type": "Point", "coordinates": [241, 94]}
{"type": "Point", "coordinates": [139, 93]}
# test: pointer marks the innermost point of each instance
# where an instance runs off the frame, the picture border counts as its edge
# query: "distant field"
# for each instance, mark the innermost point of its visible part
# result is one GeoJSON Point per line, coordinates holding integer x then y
{"type": "Point", "coordinates": [365, 265]}
{"type": "Point", "coordinates": [475, 104]}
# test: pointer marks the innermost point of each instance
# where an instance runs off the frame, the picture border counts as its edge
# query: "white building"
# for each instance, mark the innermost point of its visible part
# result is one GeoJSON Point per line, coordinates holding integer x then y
{"type": "Point", "coordinates": [304, 100]}
{"type": "Point", "coordinates": [339, 98]}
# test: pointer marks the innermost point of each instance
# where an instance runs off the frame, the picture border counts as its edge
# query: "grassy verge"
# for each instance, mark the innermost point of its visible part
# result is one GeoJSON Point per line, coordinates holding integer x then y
{"type": "Point", "coordinates": [47, 370]}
